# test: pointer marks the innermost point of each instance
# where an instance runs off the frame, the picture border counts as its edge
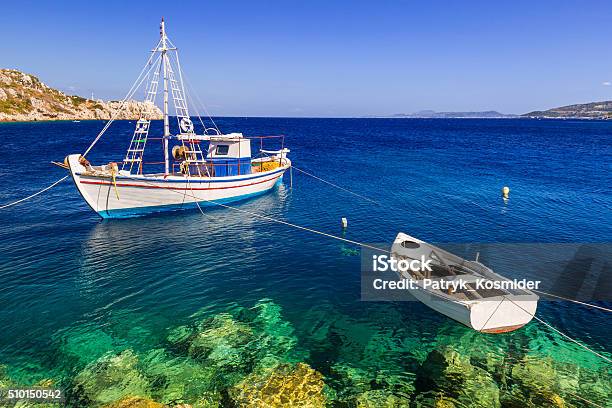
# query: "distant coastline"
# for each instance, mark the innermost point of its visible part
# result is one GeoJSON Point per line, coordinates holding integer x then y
{"type": "Point", "coordinates": [24, 98]}
{"type": "Point", "coordinates": [592, 110]}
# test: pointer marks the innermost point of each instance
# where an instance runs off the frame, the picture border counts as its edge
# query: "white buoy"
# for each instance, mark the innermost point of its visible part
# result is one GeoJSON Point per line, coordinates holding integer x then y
{"type": "Point", "coordinates": [505, 191]}
{"type": "Point", "coordinates": [344, 222]}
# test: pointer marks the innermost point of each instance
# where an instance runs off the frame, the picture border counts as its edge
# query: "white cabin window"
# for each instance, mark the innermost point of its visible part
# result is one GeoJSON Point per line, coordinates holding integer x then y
{"type": "Point", "coordinates": [222, 150]}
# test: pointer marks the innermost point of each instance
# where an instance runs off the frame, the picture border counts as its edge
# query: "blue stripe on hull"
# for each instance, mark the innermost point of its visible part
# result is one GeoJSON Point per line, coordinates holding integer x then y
{"type": "Point", "coordinates": [141, 211]}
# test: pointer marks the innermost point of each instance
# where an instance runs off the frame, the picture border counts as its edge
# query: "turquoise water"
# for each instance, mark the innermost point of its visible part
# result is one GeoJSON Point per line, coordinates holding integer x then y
{"type": "Point", "coordinates": [204, 309]}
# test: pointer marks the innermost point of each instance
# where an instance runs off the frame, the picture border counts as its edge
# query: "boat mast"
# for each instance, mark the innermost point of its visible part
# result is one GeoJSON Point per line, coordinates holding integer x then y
{"type": "Point", "coordinates": [164, 49]}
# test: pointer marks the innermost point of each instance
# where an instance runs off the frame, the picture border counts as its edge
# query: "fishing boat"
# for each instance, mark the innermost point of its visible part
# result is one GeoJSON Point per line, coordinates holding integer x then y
{"type": "Point", "coordinates": [209, 168]}
{"type": "Point", "coordinates": [483, 300]}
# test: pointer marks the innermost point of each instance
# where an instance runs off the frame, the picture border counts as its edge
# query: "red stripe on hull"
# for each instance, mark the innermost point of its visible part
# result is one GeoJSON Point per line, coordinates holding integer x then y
{"type": "Point", "coordinates": [175, 188]}
{"type": "Point", "coordinates": [505, 329]}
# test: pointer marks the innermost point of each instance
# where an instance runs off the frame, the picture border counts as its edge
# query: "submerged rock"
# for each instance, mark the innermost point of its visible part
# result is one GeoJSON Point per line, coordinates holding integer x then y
{"type": "Point", "coordinates": [452, 375]}
{"type": "Point", "coordinates": [86, 344]}
{"type": "Point", "coordinates": [535, 374]}
{"type": "Point", "coordinates": [535, 384]}
{"type": "Point", "coordinates": [381, 399]}
{"type": "Point", "coordinates": [283, 386]}
{"type": "Point", "coordinates": [135, 402]}
{"type": "Point", "coordinates": [109, 379]}
{"type": "Point", "coordinates": [435, 400]}
{"type": "Point", "coordinates": [5, 381]}
{"type": "Point", "coordinates": [220, 339]}
{"type": "Point", "coordinates": [178, 380]}
{"type": "Point", "coordinates": [358, 385]}
{"type": "Point", "coordinates": [239, 343]}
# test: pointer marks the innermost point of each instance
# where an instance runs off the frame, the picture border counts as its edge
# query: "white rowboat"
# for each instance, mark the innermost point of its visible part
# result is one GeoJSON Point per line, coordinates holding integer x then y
{"type": "Point", "coordinates": [483, 309]}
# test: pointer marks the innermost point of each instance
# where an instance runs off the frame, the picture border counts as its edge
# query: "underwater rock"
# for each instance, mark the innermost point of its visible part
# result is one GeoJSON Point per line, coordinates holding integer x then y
{"type": "Point", "coordinates": [221, 331]}
{"type": "Point", "coordinates": [435, 400]}
{"type": "Point", "coordinates": [221, 336]}
{"type": "Point", "coordinates": [535, 374]}
{"type": "Point", "coordinates": [536, 383]}
{"type": "Point", "coordinates": [451, 373]}
{"type": "Point", "coordinates": [5, 381]}
{"type": "Point", "coordinates": [283, 386]}
{"type": "Point", "coordinates": [381, 399]}
{"type": "Point", "coordinates": [46, 383]}
{"type": "Point", "coordinates": [596, 385]}
{"type": "Point", "coordinates": [135, 402]}
{"type": "Point", "coordinates": [222, 343]}
{"type": "Point", "coordinates": [178, 380]}
{"type": "Point", "coordinates": [514, 397]}
{"type": "Point", "coordinates": [444, 368]}
{"type": "Point", "coordinates": [250, 339]}
{"type": "Point", "coordinates": [349, 381]}
{"type": "Point", "coordinates": [109, 379]}
{"type": "Point", "coordinates": [354, 384]}
{"type": "Point", "coordinates": [180, 334]}
{"type": "Point", "coordinates": [275, 342]}
{"type": "Point", "coordinates": [86, 344]}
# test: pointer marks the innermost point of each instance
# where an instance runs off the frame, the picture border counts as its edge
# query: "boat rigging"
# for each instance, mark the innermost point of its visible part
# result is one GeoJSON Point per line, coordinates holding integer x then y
{"type": "Point", "coordinates": [224, 169]}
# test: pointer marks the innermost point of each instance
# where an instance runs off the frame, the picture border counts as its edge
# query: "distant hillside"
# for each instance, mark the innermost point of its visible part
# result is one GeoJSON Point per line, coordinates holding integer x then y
{"type": "Point", "coordinates": [24, 97]}
{"type": "Point", "coordinates": [592, 110]}
{"type": "Point", "coordinates": [434, 114]}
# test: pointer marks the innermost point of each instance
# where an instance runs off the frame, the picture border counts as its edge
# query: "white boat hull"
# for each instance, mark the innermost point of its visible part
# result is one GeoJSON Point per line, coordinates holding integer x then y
{"type": "Point", "coordinates": [133, 195]}
{"type": "Point", "coordinates": [491, 316]}
{"type": "Point", "coordinates": [498, 312]}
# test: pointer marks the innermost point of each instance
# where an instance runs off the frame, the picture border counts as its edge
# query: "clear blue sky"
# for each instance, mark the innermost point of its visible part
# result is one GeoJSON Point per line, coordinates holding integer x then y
{"type": "Point", "coordinates": [326, 58]}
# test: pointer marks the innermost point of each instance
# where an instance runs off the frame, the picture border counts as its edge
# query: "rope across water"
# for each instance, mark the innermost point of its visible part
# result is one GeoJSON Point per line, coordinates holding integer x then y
{"type": "Point", "coordinates": [35, 194]}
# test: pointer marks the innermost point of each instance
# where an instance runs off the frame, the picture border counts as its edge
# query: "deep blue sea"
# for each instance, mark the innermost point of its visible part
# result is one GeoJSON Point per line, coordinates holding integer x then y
{"type": "Point", "coordinates": [76, 289]}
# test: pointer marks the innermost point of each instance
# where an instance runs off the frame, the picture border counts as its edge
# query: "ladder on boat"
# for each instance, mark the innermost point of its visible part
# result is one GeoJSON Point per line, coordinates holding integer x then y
{"type": "Point", "coordinates": [135, 151]}
{"type": "Point", "coordinates": [194, 155]}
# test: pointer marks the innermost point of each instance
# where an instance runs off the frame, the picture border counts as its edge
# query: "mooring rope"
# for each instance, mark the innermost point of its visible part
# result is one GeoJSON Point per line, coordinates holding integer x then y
{"type": "Point", "coordinates": [394, 207]}
{"type": "Point", "coordinates": [337, 186]}
{"type": "Point", "coordinates": [35, 194]}
{"type": "Point", "coordinates": [266, 217]}
{"type": "Point", "coordinates": [605, 309]}
{"type": "Point", "coordinates": [561, 333]}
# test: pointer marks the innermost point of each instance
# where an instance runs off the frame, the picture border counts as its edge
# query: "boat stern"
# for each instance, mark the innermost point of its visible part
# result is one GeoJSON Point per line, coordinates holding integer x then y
{"type": "Point", "coordinates": [506, 314]}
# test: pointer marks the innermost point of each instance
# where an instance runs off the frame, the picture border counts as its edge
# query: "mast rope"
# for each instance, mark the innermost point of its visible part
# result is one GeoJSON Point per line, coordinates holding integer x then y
{"type": "Point", "coordinates": [192, 90]}
{"type": "Point", "coordinates": [130, 93]}
{"type": "Point", "coordinates": [35, 194]}
{"type": "Point", "coordinates": [400, 208]}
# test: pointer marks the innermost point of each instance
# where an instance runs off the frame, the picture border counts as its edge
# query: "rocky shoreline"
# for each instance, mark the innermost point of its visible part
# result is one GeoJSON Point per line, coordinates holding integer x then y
{"type": "Point", "coordinates": [24, 98]}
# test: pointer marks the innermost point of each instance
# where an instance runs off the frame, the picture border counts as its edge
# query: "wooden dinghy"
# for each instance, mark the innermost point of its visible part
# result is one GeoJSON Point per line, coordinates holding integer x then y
{"type": "Point", "coordinates": [489, 310]}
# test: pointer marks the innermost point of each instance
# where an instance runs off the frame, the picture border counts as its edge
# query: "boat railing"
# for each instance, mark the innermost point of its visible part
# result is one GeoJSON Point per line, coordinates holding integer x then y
{"type": "Point", "coordinates": [206, 167]}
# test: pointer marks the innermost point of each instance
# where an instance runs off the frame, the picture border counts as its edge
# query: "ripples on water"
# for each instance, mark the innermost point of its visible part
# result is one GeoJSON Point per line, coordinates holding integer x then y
{"type": "Point", "coordinates": [75, 287]}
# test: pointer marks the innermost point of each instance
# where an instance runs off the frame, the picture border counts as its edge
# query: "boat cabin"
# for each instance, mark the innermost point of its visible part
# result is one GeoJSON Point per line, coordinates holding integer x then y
{"type": "Point", "coordinates": [229, 155]}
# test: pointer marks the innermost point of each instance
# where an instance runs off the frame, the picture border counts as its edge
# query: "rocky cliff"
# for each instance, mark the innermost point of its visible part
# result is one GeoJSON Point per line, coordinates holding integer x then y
{"type": "Point", "coordinates": [24, 97]}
